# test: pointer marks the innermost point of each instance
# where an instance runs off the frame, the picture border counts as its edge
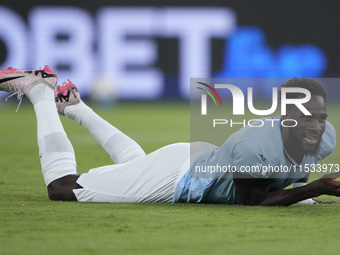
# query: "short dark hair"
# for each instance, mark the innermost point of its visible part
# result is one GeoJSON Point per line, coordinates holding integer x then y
{"type": "Point", "coordinates": [314, 87]}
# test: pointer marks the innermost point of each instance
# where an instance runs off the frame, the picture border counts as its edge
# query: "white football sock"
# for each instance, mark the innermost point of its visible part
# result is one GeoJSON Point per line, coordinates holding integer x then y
{"type": "Point", "coordinates": [55, 150]}
{"type": "Point", "coordinates": [119, 146]}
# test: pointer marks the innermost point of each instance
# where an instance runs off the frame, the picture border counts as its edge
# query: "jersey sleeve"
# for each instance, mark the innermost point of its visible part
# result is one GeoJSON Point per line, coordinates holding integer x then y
{"type": "Point", "coordinates": [248, 159]}
{"type": "Point", "coordinates": [328, 141]}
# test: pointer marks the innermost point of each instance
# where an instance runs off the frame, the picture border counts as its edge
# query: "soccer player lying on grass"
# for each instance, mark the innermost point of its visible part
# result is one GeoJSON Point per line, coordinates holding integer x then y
{"type": "Point", "coordinates": [166, 175]}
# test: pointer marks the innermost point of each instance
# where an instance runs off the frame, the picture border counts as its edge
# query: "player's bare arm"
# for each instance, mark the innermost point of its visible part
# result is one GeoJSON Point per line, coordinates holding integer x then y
{"type": "Point", "coordinates": [303, 182]}
{"type": "Point", "coordinates": [327, 185]}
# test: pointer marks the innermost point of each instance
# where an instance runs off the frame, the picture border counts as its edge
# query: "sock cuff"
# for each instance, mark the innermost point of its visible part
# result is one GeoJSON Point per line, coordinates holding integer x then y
{"type": "Point", "coordinates": [55, 158]}
{"type": "Point", "coordinates": [58, 165]}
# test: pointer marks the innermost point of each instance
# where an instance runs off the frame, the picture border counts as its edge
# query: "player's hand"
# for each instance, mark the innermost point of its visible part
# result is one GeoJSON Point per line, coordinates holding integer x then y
{"type": "Point", "coordinates": [329, 185]}
{"type": "Point", "coordinates": [320, 202]}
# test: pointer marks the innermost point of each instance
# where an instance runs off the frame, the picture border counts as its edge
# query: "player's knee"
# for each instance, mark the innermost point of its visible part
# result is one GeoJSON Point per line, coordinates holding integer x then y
{"type": "Point", "coordinates": [62, 189]}
{"type": "Point", "coordinates": [54, 193]}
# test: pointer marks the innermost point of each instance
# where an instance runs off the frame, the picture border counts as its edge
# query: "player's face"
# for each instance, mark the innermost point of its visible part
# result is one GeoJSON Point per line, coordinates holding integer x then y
{"type": "Point", "coordinates": [307, 134]}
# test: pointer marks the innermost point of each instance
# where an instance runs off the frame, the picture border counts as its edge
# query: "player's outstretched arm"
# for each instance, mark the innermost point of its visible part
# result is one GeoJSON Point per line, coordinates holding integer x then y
{"type": "Point", "coordinates": [310, 201]}
{"type": "Point", "coordinates": [327, 185]}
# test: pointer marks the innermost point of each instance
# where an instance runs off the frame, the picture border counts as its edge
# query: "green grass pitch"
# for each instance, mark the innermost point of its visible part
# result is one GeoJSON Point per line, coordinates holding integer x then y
{"type": "Point", "coordinates": [32, 224]}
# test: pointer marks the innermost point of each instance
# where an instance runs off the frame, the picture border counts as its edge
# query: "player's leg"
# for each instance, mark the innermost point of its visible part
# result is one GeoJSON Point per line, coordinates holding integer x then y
{"type": "Point", "coordinates": [55, 150]}
{"type": "Point", "coordinates": [151, 178]}
{"type": "Point", "coordinates": [119, 146]}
